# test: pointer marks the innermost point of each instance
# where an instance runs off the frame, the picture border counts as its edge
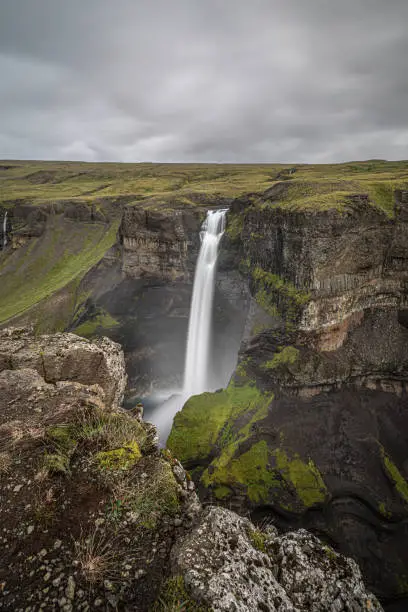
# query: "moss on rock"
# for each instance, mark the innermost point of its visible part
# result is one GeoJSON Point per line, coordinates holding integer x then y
{"type": "Point", "coordinates": [287, 355]}
{"type": "Point", "coordinates": [120, 458]}
{"type": "Point", "coordinates": [62, 437]}
{"type": "Point", "coordinates": [395, 476]}
{"type": "Point", "coordinates": [197, 427]}
{"type": "Point", "coordinates": [304, 477]}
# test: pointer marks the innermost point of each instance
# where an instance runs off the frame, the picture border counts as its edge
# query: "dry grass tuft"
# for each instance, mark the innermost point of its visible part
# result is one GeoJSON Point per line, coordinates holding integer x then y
{"type": "Point", "coordinates": [97, 556]}
{"type": "Point", "coordinates": [5, 462]}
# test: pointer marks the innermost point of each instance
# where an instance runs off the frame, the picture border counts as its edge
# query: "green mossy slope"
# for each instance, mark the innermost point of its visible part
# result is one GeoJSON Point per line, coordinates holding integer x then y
{"type": "Point", "coordinates": [44, 265]}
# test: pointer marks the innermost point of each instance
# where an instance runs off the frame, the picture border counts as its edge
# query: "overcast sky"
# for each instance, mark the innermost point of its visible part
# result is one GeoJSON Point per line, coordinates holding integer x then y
{"type": "Point", "coordinates": [204, 80]}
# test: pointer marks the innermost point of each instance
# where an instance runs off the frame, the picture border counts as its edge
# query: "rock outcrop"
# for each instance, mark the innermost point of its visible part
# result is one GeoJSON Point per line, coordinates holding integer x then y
{"type": "Point", "coordinates": [228, 564]}
{"type": "Point", "coordinates": [66, 357]}
{"type": "Point", "coordinates": [95, 517]}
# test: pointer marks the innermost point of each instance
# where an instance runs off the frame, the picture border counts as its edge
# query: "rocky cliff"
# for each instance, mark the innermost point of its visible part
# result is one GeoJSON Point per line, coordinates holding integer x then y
{"type": "Point", "coordinates": [312, 428]}
{"type": "Point", "coordinates": [95, 517]}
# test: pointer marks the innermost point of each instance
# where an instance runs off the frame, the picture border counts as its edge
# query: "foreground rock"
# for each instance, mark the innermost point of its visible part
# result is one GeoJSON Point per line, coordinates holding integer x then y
{"type": "Point", "coordinates": [228, 564]}
{"type": "Point", "coordinates": [67, 357]}
{"type": "Point", "coordinates": [95, 517]}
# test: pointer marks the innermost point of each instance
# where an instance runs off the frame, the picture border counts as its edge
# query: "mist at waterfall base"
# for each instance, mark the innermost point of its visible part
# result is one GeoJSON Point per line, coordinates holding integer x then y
{"type": "Point", "coordinates": [198, 376]}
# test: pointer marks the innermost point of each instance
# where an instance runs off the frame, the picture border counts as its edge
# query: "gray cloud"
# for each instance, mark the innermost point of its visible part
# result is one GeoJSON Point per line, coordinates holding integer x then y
{"type": "Point", "coordinates": [220, 80]}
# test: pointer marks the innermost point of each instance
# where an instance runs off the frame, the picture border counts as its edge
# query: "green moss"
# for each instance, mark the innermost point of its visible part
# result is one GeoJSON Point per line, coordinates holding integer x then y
{"type": "Point", "coordinates": [395, 475]}
{"type": "Point", "coordinates": [257, 539]}
{"type": "Point", "coordinates": [250, 471]}
{"type": "Point", "coordinates": [174, 598]}
{"type": "Point", "coordinates": [278, 297]}
{"type": "Point", "coordinates": [235, 225]}
{"type": "Point", "coordinates": [222, 492]}
{"type": "Point", "coordinates": [103, 321]}
{"type": "Point", "coordinates": [287, 355]}
{"type": "Point", "coordinates": [56, 463]}
{"type": "Point", "coordinates": [304, 477]}
{"type": "Point", "coordinates": [198, 425]}
{"type": "Point", "coordinates": [382, 508]}
{"type": "Point", "coordinates": [241, 369]}
{"type": "Point", "coordinates": [275, 282]}
{"type": "Point", "coordinates": [120, 458]}
{"type": "Point", "coordinates": [62, 437]}
{"type": "Point", "coordinates": [330, 553]}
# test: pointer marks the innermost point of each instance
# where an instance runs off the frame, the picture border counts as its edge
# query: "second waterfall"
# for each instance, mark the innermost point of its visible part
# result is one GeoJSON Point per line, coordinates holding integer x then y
{"type": "Point", "coordinates": [199, 328]}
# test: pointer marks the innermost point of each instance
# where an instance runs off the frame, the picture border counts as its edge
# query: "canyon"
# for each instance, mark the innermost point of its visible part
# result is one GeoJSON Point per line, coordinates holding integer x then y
{"type": "Point", "coordinates": [310, 328]}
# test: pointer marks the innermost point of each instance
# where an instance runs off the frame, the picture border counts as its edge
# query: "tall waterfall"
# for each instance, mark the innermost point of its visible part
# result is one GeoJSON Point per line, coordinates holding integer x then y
{"type": "Point", "coordinates": [196, 370]}
{"type": "Point", "coordinates": [199, 329]}
{"type": "Point", "coordinates": [5, 230]}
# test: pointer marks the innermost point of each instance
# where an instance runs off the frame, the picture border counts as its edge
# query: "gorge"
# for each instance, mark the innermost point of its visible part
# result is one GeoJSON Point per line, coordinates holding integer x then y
{"type": "Point", "coordinates": [311, 294]}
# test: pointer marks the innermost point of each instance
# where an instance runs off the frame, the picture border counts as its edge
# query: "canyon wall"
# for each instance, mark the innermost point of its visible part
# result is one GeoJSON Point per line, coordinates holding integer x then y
{"type": "Point", "coordinates": [312, 429]}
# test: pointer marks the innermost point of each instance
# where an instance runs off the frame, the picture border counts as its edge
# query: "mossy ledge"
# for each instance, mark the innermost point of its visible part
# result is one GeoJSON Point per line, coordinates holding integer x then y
{"type": "Point", "coordinates": [208, 419]}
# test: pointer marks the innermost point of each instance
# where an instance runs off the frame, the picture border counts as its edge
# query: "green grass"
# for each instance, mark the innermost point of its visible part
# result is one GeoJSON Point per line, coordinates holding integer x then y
{"type": "Point", "coordinates": [37, 270]}
{"type": "Point", "coordinates": [320, 187]}
{"type": "Point", "coordinates": [174, 598]}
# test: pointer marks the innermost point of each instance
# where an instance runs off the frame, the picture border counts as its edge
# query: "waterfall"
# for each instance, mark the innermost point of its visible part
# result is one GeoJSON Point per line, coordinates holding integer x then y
{"type": "Point", "coordinates": [196, 370]}
{"type": "Point", "coordinates": [199, 329]}
{"type": "Point", "coordinates": [5, 230]}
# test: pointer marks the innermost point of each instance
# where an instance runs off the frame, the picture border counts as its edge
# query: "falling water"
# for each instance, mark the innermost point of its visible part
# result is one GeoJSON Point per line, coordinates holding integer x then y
{"type": "Point", "coordinates": [196, 378]}
{"type": "Point", "coordinates": [5, 230]}
{"type": "Point", "coordinates": [199, 329]}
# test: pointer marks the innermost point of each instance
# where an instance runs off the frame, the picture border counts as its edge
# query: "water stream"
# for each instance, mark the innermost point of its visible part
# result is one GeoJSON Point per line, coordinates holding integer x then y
{"type": "Point", "coordinates": [196, 370]}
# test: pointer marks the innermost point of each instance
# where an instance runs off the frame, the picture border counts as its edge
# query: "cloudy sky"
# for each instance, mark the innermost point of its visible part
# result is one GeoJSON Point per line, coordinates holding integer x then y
{"type": "Point", "coordinates": [204, 80]}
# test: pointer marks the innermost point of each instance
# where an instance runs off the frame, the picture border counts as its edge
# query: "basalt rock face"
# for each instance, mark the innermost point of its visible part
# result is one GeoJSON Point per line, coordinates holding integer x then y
{"type": "Point", "coordinates": [323, 444]}
{"type": "Point", "coordinates": [159, 243]}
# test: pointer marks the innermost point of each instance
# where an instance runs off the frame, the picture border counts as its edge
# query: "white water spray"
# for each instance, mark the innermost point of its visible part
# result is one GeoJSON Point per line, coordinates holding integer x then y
{"type": "Point", "coordinates": [5, 230]}
{"type": "Point", "coordinates": [199, 329]}
{"type": "Point", "coordinates": [196, 378]}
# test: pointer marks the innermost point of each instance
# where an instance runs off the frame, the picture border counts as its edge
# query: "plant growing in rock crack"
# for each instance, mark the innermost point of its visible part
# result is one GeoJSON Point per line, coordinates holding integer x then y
{"type": "Point", "coordinates": [174, 598]}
